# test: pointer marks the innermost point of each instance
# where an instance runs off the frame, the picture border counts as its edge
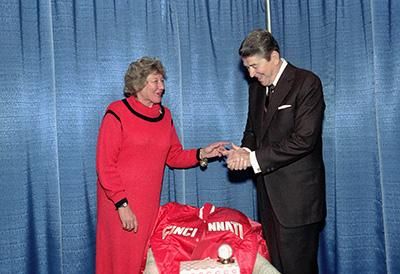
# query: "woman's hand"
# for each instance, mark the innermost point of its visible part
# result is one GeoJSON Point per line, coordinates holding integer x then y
{"type": "Point", "coordinates": [128, 219]}
{"type": "Point", "coordinates": [213, 150]}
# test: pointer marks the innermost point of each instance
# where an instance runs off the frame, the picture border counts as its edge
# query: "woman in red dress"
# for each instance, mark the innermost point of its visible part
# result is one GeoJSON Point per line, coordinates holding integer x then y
{"type": "Point", "coordinates": [137, 138]}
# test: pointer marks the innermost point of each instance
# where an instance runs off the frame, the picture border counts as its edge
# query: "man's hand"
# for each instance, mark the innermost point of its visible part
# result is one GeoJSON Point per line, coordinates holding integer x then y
{"type": "Point", "coordinates": [238, 158]}
{"type": "Point", "coordinates": [128, 219]}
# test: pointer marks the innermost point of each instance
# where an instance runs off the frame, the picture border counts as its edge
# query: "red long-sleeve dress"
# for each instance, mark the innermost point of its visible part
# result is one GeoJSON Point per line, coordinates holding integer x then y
{"type": "Point", "coordinates": [135, 143]}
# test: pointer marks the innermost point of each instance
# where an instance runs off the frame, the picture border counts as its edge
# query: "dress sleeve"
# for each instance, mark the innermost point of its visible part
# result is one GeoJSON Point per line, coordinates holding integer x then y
{"type": "Point", "coordinates": [108, 148]}
{"type": "Point", "coordinates": [179, 157]}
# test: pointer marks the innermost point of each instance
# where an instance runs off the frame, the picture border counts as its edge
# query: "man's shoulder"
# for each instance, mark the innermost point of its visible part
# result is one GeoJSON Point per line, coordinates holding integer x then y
{"type": "Point", "coordinates": [300, 72]}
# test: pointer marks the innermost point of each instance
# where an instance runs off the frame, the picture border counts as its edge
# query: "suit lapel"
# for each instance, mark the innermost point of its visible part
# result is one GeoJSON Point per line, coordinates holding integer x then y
{"type": "Point", "coordinates": [282, 88]}
{"type": "Point", "coordinates": [259, 106]}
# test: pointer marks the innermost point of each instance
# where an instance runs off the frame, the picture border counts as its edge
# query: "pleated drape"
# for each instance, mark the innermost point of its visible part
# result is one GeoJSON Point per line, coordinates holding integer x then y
{"type": "Point", "coordinates": [62, 62]}
{"type": "Point", "coordinates": [352, 46]}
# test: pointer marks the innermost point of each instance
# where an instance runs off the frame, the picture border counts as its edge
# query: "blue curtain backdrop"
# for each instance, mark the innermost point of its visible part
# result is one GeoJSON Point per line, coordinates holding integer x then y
{"type": "Point", "coordinates": [63, 61]}
{"type": "Point", "coordinates": [354, 47]}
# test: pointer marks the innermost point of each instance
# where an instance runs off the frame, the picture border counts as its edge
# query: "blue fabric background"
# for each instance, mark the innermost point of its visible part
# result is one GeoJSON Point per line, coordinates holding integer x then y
{"type": "Point", "coordinates": [63, 61]}
{"type": "Point", "coordinates": [353, 47]}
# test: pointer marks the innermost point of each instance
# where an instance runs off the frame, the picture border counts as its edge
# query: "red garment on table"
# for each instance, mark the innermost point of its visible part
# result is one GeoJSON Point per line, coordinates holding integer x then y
{"type": "Point", "coordinates": [131, 155]}
{"type": "Point", "coordinates": [184, 233]}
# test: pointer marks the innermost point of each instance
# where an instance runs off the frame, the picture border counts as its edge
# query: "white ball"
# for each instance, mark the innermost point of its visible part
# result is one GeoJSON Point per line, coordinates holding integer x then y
{"type": "Point", "coordinates": [225, 252]}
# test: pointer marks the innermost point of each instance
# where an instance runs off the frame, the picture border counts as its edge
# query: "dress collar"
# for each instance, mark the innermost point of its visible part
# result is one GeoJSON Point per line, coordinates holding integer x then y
{"type": "Point", "coordinates": [152, 114]}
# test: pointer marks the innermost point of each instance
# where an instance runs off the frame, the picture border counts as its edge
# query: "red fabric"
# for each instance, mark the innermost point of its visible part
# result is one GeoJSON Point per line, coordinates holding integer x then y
{"type": "Point", "coordinates": [185, 233]}
{"type": "Point", "coordinates": [131, 156]}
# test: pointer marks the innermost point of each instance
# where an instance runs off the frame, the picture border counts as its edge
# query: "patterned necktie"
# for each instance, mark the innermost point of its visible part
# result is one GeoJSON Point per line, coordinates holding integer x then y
{"type": "Point", "coordinates": [267, 98]}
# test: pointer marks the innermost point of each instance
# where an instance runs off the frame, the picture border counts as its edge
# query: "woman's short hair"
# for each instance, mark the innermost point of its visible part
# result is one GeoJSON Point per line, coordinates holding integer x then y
{"type": "Point", "coordinates": [259, 42]}
{"type": "Point", "coordinates": [137, 72]}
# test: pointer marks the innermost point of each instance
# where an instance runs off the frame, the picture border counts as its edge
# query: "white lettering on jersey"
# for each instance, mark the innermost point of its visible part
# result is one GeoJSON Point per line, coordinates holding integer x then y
{"type": "Point", "coordinates": [178, 230]}
{"type": "Point", "coordinates": [234, 227]}
{"type": "Point", "coordinates": [231, 226]}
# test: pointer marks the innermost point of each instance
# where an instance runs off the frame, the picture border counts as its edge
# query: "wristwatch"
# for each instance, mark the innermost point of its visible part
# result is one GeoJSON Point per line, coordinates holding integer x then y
{"type": "Point", "coordinates": [122, 203]}
{"type": "Point", "coordinates": [203, 162]}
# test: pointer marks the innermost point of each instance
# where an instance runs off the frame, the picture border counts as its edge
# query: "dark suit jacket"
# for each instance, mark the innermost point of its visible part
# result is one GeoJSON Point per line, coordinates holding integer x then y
{"type": "Point", "coordinates": [288, 145]}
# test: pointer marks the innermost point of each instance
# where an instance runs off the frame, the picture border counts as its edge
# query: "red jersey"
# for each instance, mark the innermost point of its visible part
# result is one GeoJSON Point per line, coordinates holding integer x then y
{"type": "Point", "coordinates": [185, 233]}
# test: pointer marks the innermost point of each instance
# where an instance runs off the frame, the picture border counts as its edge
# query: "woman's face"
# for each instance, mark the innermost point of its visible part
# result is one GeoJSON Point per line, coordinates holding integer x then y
{"type": "Point", "coordinates": [153, 90]}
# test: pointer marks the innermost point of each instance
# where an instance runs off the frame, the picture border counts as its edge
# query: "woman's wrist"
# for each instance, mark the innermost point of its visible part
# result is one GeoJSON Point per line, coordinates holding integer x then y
{"type": "Point", "coordinates": [203, 161]}
{"type": "Point", "coordinates": [121, 203]}
{"type": "Point", "coordinates": [202, 152]}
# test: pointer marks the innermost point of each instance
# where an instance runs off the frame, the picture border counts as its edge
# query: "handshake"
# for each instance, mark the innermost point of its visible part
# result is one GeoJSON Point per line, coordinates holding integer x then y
{"type": "Point", "coordinates": [237, 158]}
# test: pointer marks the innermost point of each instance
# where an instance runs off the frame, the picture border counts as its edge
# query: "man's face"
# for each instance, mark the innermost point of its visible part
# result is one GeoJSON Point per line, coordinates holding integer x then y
{"type": "Point", "coordinates": [265, 71]}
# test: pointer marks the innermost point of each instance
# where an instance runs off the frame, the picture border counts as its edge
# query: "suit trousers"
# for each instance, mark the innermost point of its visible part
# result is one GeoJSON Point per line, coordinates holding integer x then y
{"type": "Point", "coordinates": [292, 250]}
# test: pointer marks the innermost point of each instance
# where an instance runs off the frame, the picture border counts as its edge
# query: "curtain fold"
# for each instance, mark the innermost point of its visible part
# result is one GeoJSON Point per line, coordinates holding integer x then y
{"type": "Point", "coordinates": [208, 97]}
{"type": "Point", "coordinates": [351, 46]}
{"type": "Point", "coordinates": [62, 62]}
{"type": "Point", "coordinates": [30, 235]}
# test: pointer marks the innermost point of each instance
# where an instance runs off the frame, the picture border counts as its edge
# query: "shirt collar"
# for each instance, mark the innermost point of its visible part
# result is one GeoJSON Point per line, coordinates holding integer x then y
{"type": "Point", "coordinates": [281, 69]}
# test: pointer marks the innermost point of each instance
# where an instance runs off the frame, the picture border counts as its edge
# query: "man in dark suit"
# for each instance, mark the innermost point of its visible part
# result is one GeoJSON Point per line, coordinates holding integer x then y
{"type": "Point", "coordinates": [282, 142]}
